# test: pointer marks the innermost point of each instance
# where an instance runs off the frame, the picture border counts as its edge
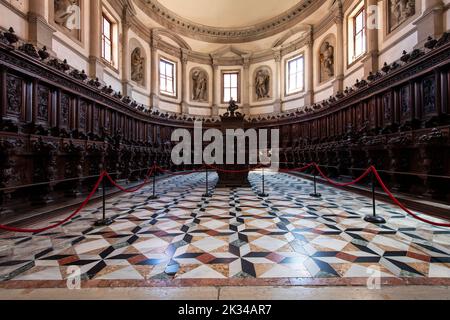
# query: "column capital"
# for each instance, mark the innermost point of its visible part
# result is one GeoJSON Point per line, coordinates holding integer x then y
{"type": "Point", "coordinates": [277, 54]}
{"type": "Point", "coordinates": [184, 55]}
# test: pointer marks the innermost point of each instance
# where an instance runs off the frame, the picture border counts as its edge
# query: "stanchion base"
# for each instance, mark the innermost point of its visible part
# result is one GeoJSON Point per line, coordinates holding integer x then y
{"type": "Point", "coordinates": [315, 195]}
{"type": "Point", "coordinates": [374, 219]}
{"type": "Point", "coordinates": [103, 222]}
{"type": "Point", "coordinates": [153, 197]}
{"type": "Point", "coordinates": [263, 195]}
{"type": "Point", "coordinates": [207, 195]}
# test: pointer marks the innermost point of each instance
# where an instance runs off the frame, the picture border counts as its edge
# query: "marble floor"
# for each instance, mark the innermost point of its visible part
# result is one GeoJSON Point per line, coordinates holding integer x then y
{"type": "Point", "coordinates": [231, 239]}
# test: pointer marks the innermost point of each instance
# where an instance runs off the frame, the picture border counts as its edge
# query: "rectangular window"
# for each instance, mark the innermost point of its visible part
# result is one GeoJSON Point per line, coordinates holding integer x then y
{"type": "Point", "coordinates": [167, 79]}
{"type": "Point", "coordinates": [230, 86]}
{"type": "Point", "coordinates": [359, 33]}
{"type": "Point", "coordinates": [295, 75]}
{"type": "Point", "coordinates": [107, 39]}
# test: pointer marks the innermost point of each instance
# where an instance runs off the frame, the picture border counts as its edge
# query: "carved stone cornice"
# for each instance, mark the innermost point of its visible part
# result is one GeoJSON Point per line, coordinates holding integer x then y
{"type": "Point", "coordinates": [262, 30]}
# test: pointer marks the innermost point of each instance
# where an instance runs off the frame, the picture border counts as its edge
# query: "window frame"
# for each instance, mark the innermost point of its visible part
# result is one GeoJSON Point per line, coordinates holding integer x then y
{"type": "Point", "coordinates": [238, 74]}
{"type": "Point", "coordinates": [110, 39]}
{"type": "Point", "coordinates": [298, 56]}
{"type": "Point", "coordinates": [174, 64]}
{"type": "Point", "coordinates": [363, 32]}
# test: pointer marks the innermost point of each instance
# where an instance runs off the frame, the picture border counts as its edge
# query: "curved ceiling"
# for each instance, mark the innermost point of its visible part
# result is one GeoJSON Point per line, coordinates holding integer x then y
{"type": "Point", "coordinates": [228, 13]}
{"type": "Point", "coordinates": [228, 21]}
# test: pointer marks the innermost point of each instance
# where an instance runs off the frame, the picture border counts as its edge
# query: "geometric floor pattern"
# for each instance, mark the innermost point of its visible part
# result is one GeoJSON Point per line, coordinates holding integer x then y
{"type": "Point", "coordinates": [233, 238]}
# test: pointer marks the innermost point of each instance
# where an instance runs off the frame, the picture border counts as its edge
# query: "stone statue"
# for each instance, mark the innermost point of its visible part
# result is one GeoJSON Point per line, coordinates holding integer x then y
{"type": "Point", "coordinates": [199, 85]}
{"type": "Point", "coordinates": [400, 11]}
{"type": "Point", "coordinates": [327, 59]}
{"type": "Point", "coordinates": [137, 66]}
{"type": "Point", "coordinates": [262, 84]}
{"type": "Point", "coordinates": [67, 13]}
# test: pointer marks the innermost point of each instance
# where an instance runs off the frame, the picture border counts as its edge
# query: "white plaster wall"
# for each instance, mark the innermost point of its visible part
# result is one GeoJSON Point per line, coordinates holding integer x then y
{"type": "Point", "coordinates": [200, 111]}
{"type": "Point", "coordinates": [9, 18]}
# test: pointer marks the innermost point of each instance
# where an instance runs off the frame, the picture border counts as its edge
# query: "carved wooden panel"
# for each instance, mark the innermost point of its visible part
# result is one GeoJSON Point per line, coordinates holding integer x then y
{"type": "Point", "coordinates": [386, 102]}
{"type": "Point", "coordinates": [405, 103]}
{"type": "Point", "coordinates": [83, 116]}
{"type": "Point", "coordinates": [14, 96]}
{"type": "Point", "coordinates": [429, 106]}
{"type": "Point", "coordinates": [43, 104]}
{"type": "Point", "coordinates": [64, 110]}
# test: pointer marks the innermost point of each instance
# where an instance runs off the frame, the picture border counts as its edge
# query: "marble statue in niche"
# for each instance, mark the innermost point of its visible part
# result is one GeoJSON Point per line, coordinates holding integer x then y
{"type": "Point", "coordinates": [326, 61]}
{"type": "Point", "coordinates": [199, 86]}
{"type": "Point", "coordinates": [400, 11]}
{"type": "Point", "coordinates": [137, 66]}
{"type": "Point", "coordinates": [262, 84]}
{"type": "Point", "coordinates": [67, 14]}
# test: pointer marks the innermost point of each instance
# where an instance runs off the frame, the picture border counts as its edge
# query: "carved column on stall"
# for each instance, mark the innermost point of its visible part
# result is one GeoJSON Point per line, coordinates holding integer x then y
{"type": "Point", "coordinates": [338, 83]}
{"type": "Point", "coordinates": [184, 81]}
{"type": "Point", "coordinates": [309, 97]}
{"type": "Point", "coordinates": [215, 93]}
{"type": "Point", "coordinates": [371, 59]}
{"type": "Point", "coordinates": [246, 83]}
{"type": "Point", "coordinates": [126, 86]}
{"type": "Point", "coordinates": [154, 97]}
{"type": "Point", "coordinates": [96, 68]}
{"type": "Point", "coordinates": [40, 32]}
{"type": "Point", "coordinates": [277, 83]}
{"type": "Point", "coordinates": [431, 23]}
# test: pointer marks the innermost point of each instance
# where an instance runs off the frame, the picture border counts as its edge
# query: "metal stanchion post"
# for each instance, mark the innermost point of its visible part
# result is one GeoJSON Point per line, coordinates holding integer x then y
{"type": "Point", "coordinates": [104, 221]}
{"type": "Point", "coordinates": [207, 194]}
{"type": "Point", "coordinates": [263, 194]}
{"type": "Point", "coordinates": [374, 218]}
{"type": "Point", "coordinates": [315, 194]}
{"type": "Point", "coordinates": [154, 196]}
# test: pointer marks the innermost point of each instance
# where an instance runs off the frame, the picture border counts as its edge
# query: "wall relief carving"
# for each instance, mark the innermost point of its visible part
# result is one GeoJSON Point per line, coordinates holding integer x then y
{"type": "Point", "coordinates": [263, 83]}
{"type": "Point", "coordinates": [138, 66]}
{"type": "Point", "coordinates": [67, 15]}
{"type": "Point", "coordinates": [199, 85]}
{"type": "Point", "coordinates": [399, 11]}
{"type": "Point", "coordinates": [326, 56]}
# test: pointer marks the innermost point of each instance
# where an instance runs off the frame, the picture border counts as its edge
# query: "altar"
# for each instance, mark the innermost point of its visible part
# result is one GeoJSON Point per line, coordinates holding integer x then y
{"type": "Point", "coordinates": [233, 175]}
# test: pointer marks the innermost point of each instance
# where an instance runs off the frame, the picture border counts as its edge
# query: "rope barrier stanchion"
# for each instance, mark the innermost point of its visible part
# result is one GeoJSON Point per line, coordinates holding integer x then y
{"type": "Point", "coordinates": [315, 194]}
{"type": "Point", "coordinates": [55, 225]}
{"type": "Point", "coordinates": [374, 218]}
{"type": "Point", "coordinates": [263, 193]}
{"type": "Point", "coordinates": [104, 221]}
{"type": "Point", "coordinates": [154, 196]}
{"type": "Point", "coordinates": [207, 194]}
{"type": "Point", "coordinates": [402, 206]}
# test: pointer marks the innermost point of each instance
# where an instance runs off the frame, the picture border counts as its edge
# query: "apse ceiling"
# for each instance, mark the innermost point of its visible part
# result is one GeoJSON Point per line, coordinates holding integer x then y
{"type": "Point", "coordinates": [228, 13]}
{"type": "Point", "coordinates": [228, 21]}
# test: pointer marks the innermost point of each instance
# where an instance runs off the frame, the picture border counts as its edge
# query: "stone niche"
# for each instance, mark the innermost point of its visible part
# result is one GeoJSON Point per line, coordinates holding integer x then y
{"type": "Point", "coordinates": [327, 59]}
{"type": "Point", "coordinates": [262, 80]}
{"type": "Point", "coordinates": [137, 68]}
{"type": "Point", "coordinates": [398, 11]}
{"type": "Point", "coordinates": [199, 85]}
{"type": "Point", "coordinates": [67, 17]}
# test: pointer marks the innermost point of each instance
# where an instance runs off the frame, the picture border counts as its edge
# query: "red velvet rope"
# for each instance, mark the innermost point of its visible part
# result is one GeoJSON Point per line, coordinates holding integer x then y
{"type": "Point", "coordinates": [156, 167]}
{"type": "Point", "coordinates": [134, 189]}
{"type": "Point", "coordinates": [21, 230]}
{"type": "Point", "coordinates": [391, 196]}
{"type": "Point", "coordinates": [337, 184]}
{"type": "Point", "coordinates": [297, 169]}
